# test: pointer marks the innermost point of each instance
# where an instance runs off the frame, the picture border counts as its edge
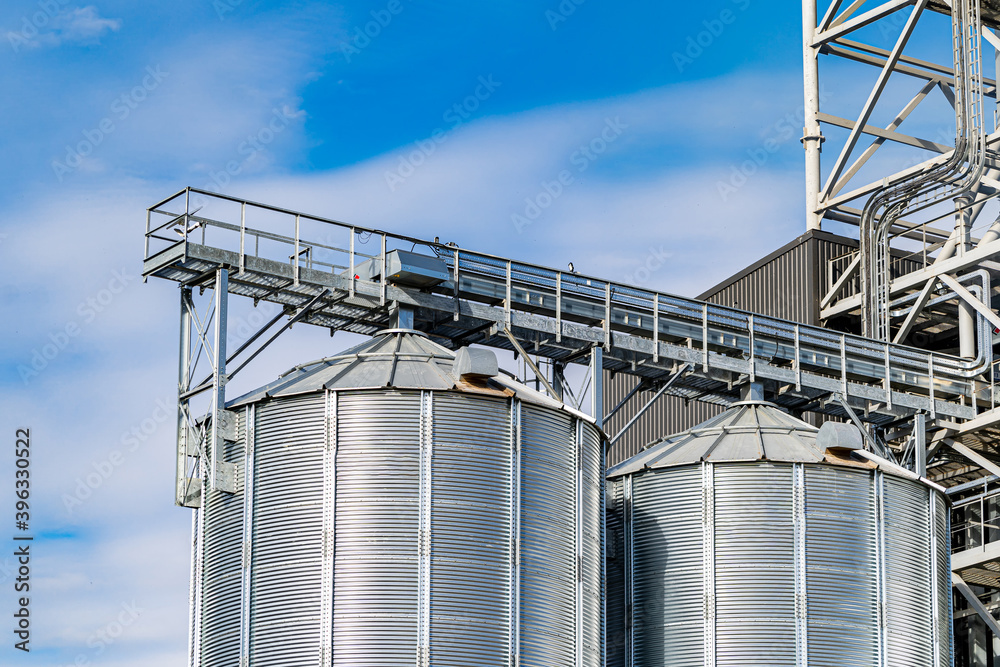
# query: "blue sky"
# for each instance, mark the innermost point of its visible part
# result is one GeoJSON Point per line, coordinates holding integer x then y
{"type": "Point", "coordinates": [109, 107]}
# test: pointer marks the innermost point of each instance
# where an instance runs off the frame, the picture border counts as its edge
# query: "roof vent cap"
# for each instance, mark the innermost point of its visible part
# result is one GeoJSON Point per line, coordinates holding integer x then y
{"type": "Point", "coordinates": [837, 435]}
{"type": "Point", "coordinates": [475, 362]}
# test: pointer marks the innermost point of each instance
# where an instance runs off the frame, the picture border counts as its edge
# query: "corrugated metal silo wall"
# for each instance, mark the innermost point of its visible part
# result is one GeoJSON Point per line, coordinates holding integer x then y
{"type": "Point", "coordinates": [787, 284]}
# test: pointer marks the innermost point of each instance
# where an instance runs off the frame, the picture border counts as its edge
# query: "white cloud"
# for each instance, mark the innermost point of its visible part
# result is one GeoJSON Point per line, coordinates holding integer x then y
{"type": "Point", "coordinates": [204, 110]}
{"type": "Point", "coordinates": [72, 25]}
{"type": "Point", "coordinates": [652, 187]}
{"type": "Point", "coordinates": [470, 186]}
{"type": "Point", "coordinates": [83, 24]}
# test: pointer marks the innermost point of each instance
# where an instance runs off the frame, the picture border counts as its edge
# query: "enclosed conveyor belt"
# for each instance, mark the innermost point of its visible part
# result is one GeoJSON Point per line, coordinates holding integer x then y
{"type": "Point", "coordinates": [290, 258]}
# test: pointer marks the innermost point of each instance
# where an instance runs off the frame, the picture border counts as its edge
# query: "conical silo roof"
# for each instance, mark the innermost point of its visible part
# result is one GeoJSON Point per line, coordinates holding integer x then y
{"type": "Point", "coordinates": [397, 359]}
{"type": "Point", "coordinates": [400, 358]}
{"type": "Point", "coordinates": [748, 431]}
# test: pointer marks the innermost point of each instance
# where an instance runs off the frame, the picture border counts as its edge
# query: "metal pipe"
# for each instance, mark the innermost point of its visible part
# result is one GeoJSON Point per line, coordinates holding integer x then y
{"type": "Point", "coordinates": [966, 314]}
{"type": "Point", "coordinates": [993, 233]}
{"type": "Point", "coordinates": [812, 139]}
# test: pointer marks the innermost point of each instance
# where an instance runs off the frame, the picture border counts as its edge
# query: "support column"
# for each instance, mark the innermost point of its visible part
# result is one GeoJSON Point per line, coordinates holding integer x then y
{"type": "Point", "coordinates": [962, 587]}
{"type": "Point", "coordinates": [183, 384]}
{"type": "Point", "coordinates": [597, 385]}
{"type": "Point", "coordinates": [404, 317]}
{"type": "Point", "coordinates": [812, 134]}
{"type": "Point", "coordinates": [920, 444]}
{"type": "Point", "coordinates": [558, 380]}
{"type": "Point", "coordinates": [219, 380]}
{"type": "Point", "coordinates": [966, 313]}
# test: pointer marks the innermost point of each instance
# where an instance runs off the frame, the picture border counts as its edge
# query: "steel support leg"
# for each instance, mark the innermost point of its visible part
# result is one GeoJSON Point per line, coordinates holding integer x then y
{"type": "Point", "coordinates": [920, 444]}
{"type": "Point", "coordinates": [558, 380]}
{"type": "Point", "coordinates": [975, 603]}
{"type": "Point", "coordinates": [597, 385]}
{"type": "Point", "coordinates": [219, 379]}
{"type": "Point", "coordinates": [183, 384]}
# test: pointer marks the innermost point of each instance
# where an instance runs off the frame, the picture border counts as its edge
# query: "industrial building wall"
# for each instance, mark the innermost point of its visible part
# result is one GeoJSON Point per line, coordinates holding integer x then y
{"type": "Point", "coordinates": [788, 284]}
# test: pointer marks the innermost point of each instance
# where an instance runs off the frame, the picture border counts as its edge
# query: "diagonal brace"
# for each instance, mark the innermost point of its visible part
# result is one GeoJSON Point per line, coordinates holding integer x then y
{"type": "Point", "coordinates": [666, 385]}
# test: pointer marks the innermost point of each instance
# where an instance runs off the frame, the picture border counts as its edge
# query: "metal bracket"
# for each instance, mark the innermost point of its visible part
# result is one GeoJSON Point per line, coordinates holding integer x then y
{"type": "Point", "coordinates": [227, 476]}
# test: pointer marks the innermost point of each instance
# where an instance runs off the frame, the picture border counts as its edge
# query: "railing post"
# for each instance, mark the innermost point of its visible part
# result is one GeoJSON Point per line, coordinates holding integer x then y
{"type": "Point", "coordinates": [350, 261]}
{"type": "Point", "coordinates": [559, 306]}
{"type": "Point", "coordinates": [187, 209]}
{"type": "Point", "coordinates": [888, 379]}
{"type": "Point", "coordinates": [507, 298]}
{"type": "Point", "coordinates": [149, 215]}
{"type": "Point", "coordinates": [382, 282]}
{"type": "Point", "coordinates": [704, 338]}
{"type": "Point", "coordinates": [843, 365]}
{"type": "Point", "coordinates": [656, 327]}
{"type": "Point", "coordinates": [982, 522]}
{"type": "Point", "coordinates": [930, 383]}
{"type": "Point", "coordinates": [243, 234]}
{"type": "Point", "coordinates": [457, 291]}
{"type": "Point", "coordinates": [295, 279]}
{"type": "Point", "coordinates": [798, 361]}
{"type": "Point", "coordinates": [607, 316]}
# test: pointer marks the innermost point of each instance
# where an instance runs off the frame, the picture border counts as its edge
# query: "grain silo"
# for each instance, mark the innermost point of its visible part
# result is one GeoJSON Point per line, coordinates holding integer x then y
{"type": "Point", "coordinates": [749, 540]}
{"type": "Point", "coordinates": [402, 504]}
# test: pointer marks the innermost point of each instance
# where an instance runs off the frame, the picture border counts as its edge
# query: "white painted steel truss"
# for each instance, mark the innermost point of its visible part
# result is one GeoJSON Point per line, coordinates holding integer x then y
{"type": "Point", "coordinates": [937, 237]}
{"type": "Point", "coordinates": [943, 272]}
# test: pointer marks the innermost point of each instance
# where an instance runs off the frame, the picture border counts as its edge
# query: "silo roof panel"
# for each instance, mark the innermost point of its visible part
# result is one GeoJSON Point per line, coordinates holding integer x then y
{"type": "Point", "coordinates": [750, 431]}
{"type": "Point", "coordinates": [396, 358]}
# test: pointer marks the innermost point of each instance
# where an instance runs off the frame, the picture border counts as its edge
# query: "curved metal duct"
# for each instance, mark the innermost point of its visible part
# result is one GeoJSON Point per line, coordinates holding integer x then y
{"type": "Point", "coordinates": [958, 175]}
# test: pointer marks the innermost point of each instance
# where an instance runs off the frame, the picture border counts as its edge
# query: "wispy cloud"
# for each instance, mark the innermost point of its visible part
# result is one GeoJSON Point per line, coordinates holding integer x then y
{"type": "Point", "coordinates": [52, 27]}
{"type": "Point", "coordinates": [127, 541]}
{"type": "Point", "coordinates": [83, 24]}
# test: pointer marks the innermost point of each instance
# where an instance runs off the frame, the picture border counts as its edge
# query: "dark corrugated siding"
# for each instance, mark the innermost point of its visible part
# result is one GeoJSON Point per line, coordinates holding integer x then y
{"type": "Point", "coordinates": [788, 284]}
{"type": "Point", "coordinates": [670, 414]}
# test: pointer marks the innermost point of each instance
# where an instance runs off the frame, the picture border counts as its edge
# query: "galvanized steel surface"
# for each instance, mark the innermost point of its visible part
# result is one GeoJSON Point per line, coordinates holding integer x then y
{"type": "Point", "coordinates": [470, 531]}
{"type": "Point", "coordinates": [221, 570]}
{"type": "Point", "coordinates": [794, 561]}
{"type": "Point", "coordinates": [376, 559]}
{"type": "Point", "coordinates": [400, 358]}
{"type": "Point", "coordinates": [287, 531]}
{"type": "Point", "coordinates": [406, 527]}
{"type": "Point", "coordinates": [616, 633]}
{"type": "Point", "coordinates": [548, 539]}
{"type": "Point", "coordinates": [749, 431]}
{"type": "Point", "coordinates": [787, 284]}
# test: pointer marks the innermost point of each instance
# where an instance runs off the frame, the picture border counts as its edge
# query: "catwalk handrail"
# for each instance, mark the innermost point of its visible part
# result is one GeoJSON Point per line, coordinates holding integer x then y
{"type": "Point", "coordinates": [709, 330]}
